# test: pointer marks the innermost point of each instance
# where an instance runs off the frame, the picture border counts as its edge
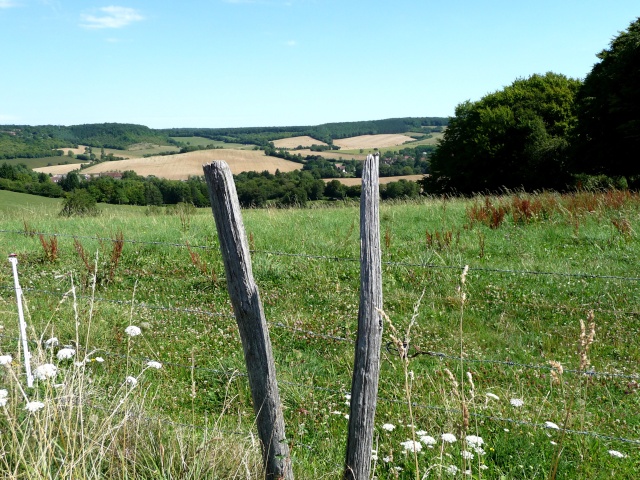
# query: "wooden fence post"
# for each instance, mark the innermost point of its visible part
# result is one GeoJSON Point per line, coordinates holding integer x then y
{"type": "Point", "coordinates": [251, 320]}
{"type": "Point", "coordinates": [366, 370]}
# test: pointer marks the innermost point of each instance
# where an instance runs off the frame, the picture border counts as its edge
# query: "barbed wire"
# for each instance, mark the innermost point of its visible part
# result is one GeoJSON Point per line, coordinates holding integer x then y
{"type": "Point", "coordinates": [417, 351]}
{"type": "Point", "coordinates": [343, 259]}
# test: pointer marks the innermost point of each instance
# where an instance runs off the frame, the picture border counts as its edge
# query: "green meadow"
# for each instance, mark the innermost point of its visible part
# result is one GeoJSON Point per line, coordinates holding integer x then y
{"type": "Point", "coordinates": [479, 341]}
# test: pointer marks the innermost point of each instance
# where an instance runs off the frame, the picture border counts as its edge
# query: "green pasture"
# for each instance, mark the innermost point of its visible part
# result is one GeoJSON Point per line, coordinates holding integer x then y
{"type": "Point", "coordinates": [530, 282]}
{"type": "Point", "coordinates": [202, 141]}
{"type": "Point", "coordinates": [42, 161]}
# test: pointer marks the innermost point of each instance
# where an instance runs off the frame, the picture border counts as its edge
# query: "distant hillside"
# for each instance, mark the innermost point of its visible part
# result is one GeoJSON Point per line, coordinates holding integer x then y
{"type": "Point", "coordinates": [24, 141]}
{"type": "Point", "coordinates": [323, 133]}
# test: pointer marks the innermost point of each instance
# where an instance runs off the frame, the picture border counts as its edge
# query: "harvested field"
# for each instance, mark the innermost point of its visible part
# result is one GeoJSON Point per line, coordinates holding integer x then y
{"type": "Point", "coordinates": [372, 141]}
{"type": "Point", "coordinates": [184, 165]}
{"type": "Point", "coordinates": [59, 169]}
{"type": "Point", "coordinates": [349, 182]}
{"type": "Point", "coordinates": [293, 142]}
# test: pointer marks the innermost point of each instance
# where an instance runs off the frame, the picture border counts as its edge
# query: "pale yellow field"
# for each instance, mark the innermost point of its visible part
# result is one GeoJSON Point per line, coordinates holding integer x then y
{"type": "Point", "coordinates": [293, 142]}
{"type": "Point", "coordinates": [58, 169]}
{"type": "Point", "coordinates": [372, 141]}
{"type": "Point", "coordinates": [349, 182]}
{"type": "Point", "coordinates": [184, 165]}
{"type": "Point", "coordinates": [75, 151]}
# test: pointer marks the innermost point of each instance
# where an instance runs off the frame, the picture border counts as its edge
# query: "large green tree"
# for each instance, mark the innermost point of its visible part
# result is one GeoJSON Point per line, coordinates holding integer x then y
{"type": "Point", "coordinates": [608, 133]}
{"type": "Point", "coordinates": [517, 137]}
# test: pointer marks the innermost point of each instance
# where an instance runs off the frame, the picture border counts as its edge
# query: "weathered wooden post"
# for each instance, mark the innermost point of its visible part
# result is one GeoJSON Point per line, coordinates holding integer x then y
{"type": "Point", "coordinates": [251, 320]}
{"type": "Point", "coordinates": [366, 370]}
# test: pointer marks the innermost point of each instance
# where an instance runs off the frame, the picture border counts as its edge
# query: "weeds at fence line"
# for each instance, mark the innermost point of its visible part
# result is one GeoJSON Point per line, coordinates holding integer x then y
{"type": "Point", "coordinates": [49, 247]}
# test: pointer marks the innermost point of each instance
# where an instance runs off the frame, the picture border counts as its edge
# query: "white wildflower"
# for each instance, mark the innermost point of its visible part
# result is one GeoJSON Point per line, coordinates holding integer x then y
{"type": "Point", "coordinates": [411, 446]}
{"type": "Point", "coordinates": [386, 459]}
{"type": "Point", "coordinates": [346, 415]}
{"type": "Point", "coordinates": [517, 402]}
{"type": "Point", "coordinates": [615, 453]}
{"type": "Point", "coordinates": [448, 437]}
{"type": "Point", "coordinates": [483, 467]}
{"type": "Point", "coordinates": [428, 440]}
{"type": "Point", "coordinates": [389, 427]}
{"type": "Point", "coordinates": [132, 331]}
{"type": "Point", "coordinates": [551, 425]}
{"type": "Point", "coordinates": [4, 397]}
{"type": "Point", "coordinates": [451, 470]}
{"type": "Point", "coordinates": [5, 359]}
{"type": "Point", "coordinates": [48, 370]}
{"type": "Point", "coordinates": [65, 353]}
{"type": "Point", "coordinates": [492, 395]}
{"type": "Point", "coordinates": [336, 412]}
{"type": "Point", "coordinates": [99, 359]}
{"type": "Point", "coordinates": [133, 381]}
{"type": "Point", "coordinates": [474, 440]}
{"type": "Point", "coordinates": [420, 433]}
{"type": "Point", "coordinates": [154, 364]}
{"type": "Point", "coordinates": [467, 455]}
{"type": "Point", "coordinates": [52, 342]}
{"type": "Point", "coordinates": [34, 406]}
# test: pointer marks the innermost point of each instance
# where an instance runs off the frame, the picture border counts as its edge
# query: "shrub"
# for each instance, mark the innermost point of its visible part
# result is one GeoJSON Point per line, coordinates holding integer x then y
{"type": "Point", "coordinates": [79, 203]}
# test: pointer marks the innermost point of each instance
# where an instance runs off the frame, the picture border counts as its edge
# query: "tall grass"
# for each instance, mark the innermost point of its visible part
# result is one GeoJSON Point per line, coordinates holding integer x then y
{"type": "Point", "coordinates": [524, 299]}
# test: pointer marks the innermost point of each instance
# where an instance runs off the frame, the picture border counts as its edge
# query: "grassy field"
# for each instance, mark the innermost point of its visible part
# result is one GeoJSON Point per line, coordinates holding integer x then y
{"type": "Point", "coordinates": [202, 141]}
{"type": "Point", "coordinates": [42, 162]}
{"type": "Point", "coordinates": [537, 267]}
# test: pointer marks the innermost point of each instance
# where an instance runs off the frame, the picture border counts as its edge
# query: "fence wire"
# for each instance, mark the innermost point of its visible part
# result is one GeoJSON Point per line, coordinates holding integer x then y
{"type": "Point", "coordinates": [340, 259]}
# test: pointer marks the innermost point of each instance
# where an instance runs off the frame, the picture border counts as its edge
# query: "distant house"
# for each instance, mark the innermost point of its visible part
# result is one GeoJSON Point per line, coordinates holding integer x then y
{"type": "Point", "coordinates": [115, 175]}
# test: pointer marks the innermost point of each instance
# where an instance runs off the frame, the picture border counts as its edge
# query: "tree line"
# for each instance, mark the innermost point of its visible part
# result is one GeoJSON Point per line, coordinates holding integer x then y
{"type": "Point", "coordinates": [255, 189]}
{"type": "Point", "coordinates": [549, 131]}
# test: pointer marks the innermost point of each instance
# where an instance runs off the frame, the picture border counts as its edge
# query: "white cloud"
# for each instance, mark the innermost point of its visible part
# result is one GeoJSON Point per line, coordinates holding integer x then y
{"type": "Point", "coordinates": [112, 17]}
{"type": "Point", "coordinates": [291, 43]}
{"type": "Point", "coordinates": [7, 4]}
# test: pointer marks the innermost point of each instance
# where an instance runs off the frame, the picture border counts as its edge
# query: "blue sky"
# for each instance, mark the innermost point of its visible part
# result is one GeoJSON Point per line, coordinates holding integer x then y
{"type": "Point", "coordinates": [235, 63]}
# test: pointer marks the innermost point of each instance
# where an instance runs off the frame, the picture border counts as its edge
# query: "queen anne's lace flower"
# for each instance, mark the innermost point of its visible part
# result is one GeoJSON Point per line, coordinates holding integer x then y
{"type": "Point", "coordinates": [133, 381]}
{"type": "Point", "coordinates": [451, 469]}
{"type": "Point", "coordinates": [52, 342]}
{"type": "Point", "coordinates": [4, 397]}
{"type": "Point", "coordinates": [33, 407]}
{"type": "Point", "coordinates": [154, 364]}
{"type": "Point", "coordinates": [517, 402]}
{"type": "Point", "coordinates": [615, 453]}
{"type": "Point", "coordinates": [389, 427]}
{"type": "Point", "coordinates": [411, 446]}
{"type": "Point", "coordinates": [5, 359]}
{"type": "Point", "coordinates": [65, 353]}
{"type": "Point", "coordinates": [474, 440]}
{"type": "Point", "coordinates": [448, 437]}
{"type": "Point", "coordinates": [132, 331]}
{"type": "Point", "coordinates": [467, 455]}
{"type": "Point", "coordinates": [48, 370]}
{"type": "Point", "coordinates": [428, 440]}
